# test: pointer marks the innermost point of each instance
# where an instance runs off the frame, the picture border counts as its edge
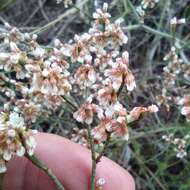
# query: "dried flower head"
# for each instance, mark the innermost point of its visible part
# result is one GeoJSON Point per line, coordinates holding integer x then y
{"type": "Point", "coordinates": [144, 6]}
{"type": "Point", "coordinates": [185, 103]}
{"type": "Point", "coordinates": [16, 139]}
{"type": "Point", "coordinates": [102, 16]}
{"type": "Point", "coordinates": [136, 112]}
{"type": "Point", "coordinates": [179, 144]}
{"type": "Point", "coordinates": [175, 21]}
{"type": "Point", "coordinates": [65, 2]}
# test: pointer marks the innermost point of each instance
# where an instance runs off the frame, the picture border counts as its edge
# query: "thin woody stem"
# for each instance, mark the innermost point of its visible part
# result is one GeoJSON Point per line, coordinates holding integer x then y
{"type": "Point", "coordinates": [92, 148]}
{"type": "Point", "coordinates": [70, 103]}
{"type": "Point", "coordinates": [121, 87]}
{"type": "Point", "coordinates": [93, 156]}
{"type": "Point", "coordinates": [37, 162]}
{"type": "Point", "coordinates": [104, 148]}
{"type": "Point", "coordinates": [44, 168]}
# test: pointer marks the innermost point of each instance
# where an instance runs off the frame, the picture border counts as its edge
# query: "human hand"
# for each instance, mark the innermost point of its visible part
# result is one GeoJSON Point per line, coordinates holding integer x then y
{"type": "Point", "coordinates": [70, 162]}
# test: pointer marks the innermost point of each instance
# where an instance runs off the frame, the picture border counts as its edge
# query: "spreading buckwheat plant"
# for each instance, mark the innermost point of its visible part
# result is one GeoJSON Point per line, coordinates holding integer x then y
{"type": "Point", "coordinates": [114, 79]}
{"type": "Point", "coordinates": [175, 86]}
{"type": "Point", "coordinates": [16, 138]}
{"type": "Point", "coordinates": [38, 80]}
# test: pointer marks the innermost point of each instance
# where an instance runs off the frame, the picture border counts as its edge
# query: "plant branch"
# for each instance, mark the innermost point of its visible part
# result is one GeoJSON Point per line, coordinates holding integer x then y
{"type": "Point", "coordinates": [153, 31]}
{"type": "Point", "coordinates": [121, 87]}
{"type": "Point", "coordinates": [37, 162]}
{"type": "Point", "coordinates": [61, 17]}
{"type": "Point", "coordinates": [44, 168]}
{"type": "Point", "coordinates": [93, 156]}
{"type": "Point", "coordinates": [70, 103]}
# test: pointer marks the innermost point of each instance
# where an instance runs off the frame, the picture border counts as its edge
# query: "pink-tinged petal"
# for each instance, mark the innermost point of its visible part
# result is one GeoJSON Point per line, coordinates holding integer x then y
{"type": "Point", "coordinates": [185, 110]}
{"type": "Point", "coordinates": [131, 86]}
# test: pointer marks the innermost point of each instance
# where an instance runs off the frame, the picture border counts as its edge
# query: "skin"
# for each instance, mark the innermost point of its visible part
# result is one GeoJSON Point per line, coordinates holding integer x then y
{"type": "Point", "coordinates": [70, 162]}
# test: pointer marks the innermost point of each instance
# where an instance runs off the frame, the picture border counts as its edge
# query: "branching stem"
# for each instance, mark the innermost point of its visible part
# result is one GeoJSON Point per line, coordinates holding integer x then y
{"type": "Point", "coordinates": [93, 156]}
{"type": "Point", "coordinates": [44, 168]}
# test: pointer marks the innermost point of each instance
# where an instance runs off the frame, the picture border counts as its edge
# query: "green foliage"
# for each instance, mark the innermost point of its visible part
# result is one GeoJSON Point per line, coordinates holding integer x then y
{"type": "Point", "coordinates": [5, 4]}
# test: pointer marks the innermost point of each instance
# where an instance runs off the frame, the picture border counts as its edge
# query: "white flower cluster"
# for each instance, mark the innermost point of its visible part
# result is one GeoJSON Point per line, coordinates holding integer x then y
{"type": "Point", "coordinates": [16, 139]}
{"type": "Point", "coordinates": [145, 4]}
{"type": "Point", "coordinates": [31, 71]}
{"type": "Point", "coordinates": [178, 143]}
{"type": "Point", "coordinates": [174, 71]}
{"type": "Point", "coordinates": [90, 68]}
{"type": "Point", "coordinates": [175, 21]}
{"type": "Point", "coordinates": [185, 104]}
{"type": "Point", "coordinates": [102, 75]}
{"type": "Point", "coordinates": [65, 2]}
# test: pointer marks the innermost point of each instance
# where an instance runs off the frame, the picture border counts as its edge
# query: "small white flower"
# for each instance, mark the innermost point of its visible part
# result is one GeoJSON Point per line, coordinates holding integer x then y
{"type": "Point", "coordinates": [88, 58]}
{"type": "Point", "coordinates": [7, 25]}
{"type": "Point", "coordinates": [153, 108]}
{"type": "Point", "coordinates": [105, 7]}
{"type": "Point", "coordinates": [119, 21]}
{"type": "Point", "coordinates": [39, 52]}
{"type": "Point", "coordinates": [125, 55]}
{"type": "Point", "coordinates": [20, 151]}
{"type": "Point", "coordinates": [92, 77]}
{"type": "Point", "coordinates": [15, 58]}
{"type": "Point", "coordinates": [181, 154]}
{"type": "Point", "coordinates": [45, 72]}
{"type": "Point", "coordinates": [7, 155]}
{"type": "Point", "coordinates": [174, 21]}
{"type": "Point", "coordinates": [3, 168]}
{"type": "Point", "coordinates": [13, 47]}
{"type": "Point", "coordinates": [31, 142]}
{"type": "Point", "coordinates": [4, 56]}
{"type": "Point", "coordinates": [11, 133]}
{"type": "Point", "coordinates": [140, 11]}
{"type": "Point", "coordinates": [57, 42]}
{"type": "Point", "coordinates": [34, 36]}
{"type": "Point", "coordinates": [182, 21]}
{"type": "Point", "coordinates": [78, 117]}
{"type": "Point", "coordinates": [131, 86]}
{"type": "Point", "coordinates": [27, 36]}
{"type": "Point", "coordinates": [30, 152]}
{"type": "Point", "coordinates": [15, 120]}
{"type": "Point", "coordinates": [185, 110]}
{"type": "Point", "coordinates": [126, 137]}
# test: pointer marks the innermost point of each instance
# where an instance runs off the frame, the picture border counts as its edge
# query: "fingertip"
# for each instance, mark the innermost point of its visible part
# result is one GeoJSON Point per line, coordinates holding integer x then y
{"type": "Point", "coordinates": [130, 182]}
{"type": "Point", "coordinates": [116, 177]}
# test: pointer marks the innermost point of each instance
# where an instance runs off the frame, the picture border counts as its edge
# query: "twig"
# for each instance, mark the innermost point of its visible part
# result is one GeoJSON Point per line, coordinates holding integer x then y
{"type": "Point", "coordinates": [70, 103]}
{"type": "Point", "coordinates": [59, 18]}
{"type": "Point", "coordinates": [153, 31]}
{"type": "Point", "coordinates": [42, 10]}
{"type": "Point", "coordinates": [33, 14]}
{"type": "Point", "coordinates": [37, 162]}
{"type": "Point", "coordinates": [134, 10]}
{"type": "Point", "coordinates": [44, 168]}
{"type": "Point", "coordinates": [93, 156]}
{"type": "Point", "coordinates": [121, 87]}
